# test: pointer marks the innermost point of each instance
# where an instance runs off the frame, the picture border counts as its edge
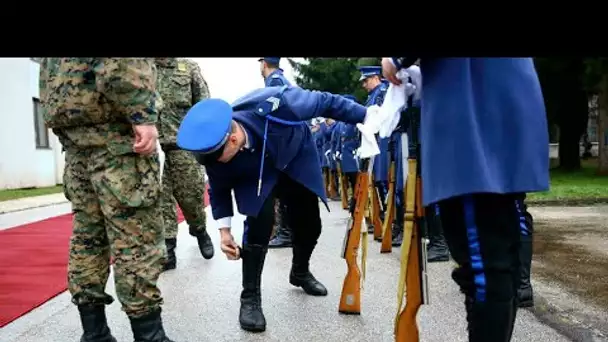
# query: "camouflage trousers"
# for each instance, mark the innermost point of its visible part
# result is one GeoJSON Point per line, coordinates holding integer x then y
{"type": "Point", "coordinates": [182, 181]}
{"type": "Point", "coordinates": [115, 201]}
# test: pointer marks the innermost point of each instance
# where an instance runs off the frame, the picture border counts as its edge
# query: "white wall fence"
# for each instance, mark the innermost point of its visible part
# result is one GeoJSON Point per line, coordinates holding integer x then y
{"type": "Point", "coordinates": [30, 155]}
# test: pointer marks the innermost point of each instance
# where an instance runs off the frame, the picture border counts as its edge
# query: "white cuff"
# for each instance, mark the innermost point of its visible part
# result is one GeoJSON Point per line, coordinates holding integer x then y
{"type": "Point", "coordinates": [224, 222]}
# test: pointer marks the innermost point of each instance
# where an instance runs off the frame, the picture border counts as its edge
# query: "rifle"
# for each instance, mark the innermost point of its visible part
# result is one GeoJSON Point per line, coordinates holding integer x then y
{"type": "Point", "coordinates": [343, 187]}
{"type": "Point", "coordinates": [350, 299]}
{"type": "Point", "coordinates": [375, 210]}
{"type": "Point", "coordinates": [413, 272]}
{"type": "Point", "coordinates": [387, 226]}
{"type": "Point", "coordinates": [332, 185]}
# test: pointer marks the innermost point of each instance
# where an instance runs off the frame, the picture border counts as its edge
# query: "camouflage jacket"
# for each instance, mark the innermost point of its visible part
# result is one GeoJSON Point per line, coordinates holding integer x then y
{"type": "Point", "coordinates": [181, 85]}
{"type": "Point", "coordinates": [93, 102]}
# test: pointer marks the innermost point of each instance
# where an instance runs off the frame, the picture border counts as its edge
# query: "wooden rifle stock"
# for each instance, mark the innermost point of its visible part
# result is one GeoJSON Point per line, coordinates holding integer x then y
{"type": "Point", "coordinates": [389, 216]}
{"type": "Point", "coordinates": [375, 216]}
{"type": "Point", "coordinates": [332, 185]}
{"type": "Point", "coordinates": [343, 188]}
{"type": "Point", "coordinates": [412, 278]}
{"type": "Point", "coordinates": [350, 299]}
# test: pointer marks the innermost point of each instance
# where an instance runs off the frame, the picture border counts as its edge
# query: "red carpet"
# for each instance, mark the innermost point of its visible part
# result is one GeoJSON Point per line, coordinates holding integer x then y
{"type": "Point", "coordinates": [33, 264]}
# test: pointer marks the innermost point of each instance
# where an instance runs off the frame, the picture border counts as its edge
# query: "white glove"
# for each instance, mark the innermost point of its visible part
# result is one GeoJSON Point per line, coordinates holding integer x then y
{"type": "Point", "coordinates": [373, 119]}
{"type": "Point", "coordinates": [338, 155]}
{"type": "Point", "coordinates": [369, 145]}
{"type": "Point", "coordinates": [327, 153]}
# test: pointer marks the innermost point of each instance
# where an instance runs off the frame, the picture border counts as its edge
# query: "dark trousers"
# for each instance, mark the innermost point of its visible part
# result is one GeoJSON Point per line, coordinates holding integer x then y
{"type": "Point", "coordinates": [303, 216]}
{"type": "Point", "coordinates": [483, 235]}
{"type": "Point", "coordinates": [382, 188]}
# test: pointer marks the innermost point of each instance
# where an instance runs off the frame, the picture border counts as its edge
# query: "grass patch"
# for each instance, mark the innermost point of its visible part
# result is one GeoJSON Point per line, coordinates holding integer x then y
{"type": "Point", "coordinates": [581, 184]}
{"type": "Point", "coordinates": [12, 194]}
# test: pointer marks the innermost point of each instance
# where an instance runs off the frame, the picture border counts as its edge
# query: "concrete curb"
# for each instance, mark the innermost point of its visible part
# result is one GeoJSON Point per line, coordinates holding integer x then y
{"type": "Point", "coordinates": [570, 202]}
{"type": "Point", "coordinates": [563, 323]}
{"type": "Point", "coordinates": [42, 205]}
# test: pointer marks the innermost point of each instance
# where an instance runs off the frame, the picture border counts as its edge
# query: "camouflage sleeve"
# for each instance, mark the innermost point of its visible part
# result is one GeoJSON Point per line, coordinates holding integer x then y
{"type": "Point", "coordinates": [130, 85]}
{"type": "Point", "coordinates": [200, 90]}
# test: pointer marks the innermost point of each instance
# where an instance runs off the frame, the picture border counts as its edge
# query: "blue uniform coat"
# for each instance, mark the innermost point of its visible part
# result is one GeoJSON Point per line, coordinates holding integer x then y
{"type": "Point", "coordinates": [483, 127]}
{"type": "Point", "coordinates": [349, 141]}
{"type": "Point", "coordinates": [327, 131]}
{"type": "Point", "coordinates": [289, 148]}
{"type": "Point", "coordinates": [276, 79]}
{"type": "Point", "coordinates": [381, 161]}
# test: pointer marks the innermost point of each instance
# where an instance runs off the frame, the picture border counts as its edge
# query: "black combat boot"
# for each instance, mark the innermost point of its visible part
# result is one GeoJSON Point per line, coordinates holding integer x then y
{"type": "Point", "coordinates": [170, 264]}
{"type": "Point", "coordinates": [524, 293]}
{"type": "Point", "coordinates": [94, 324]}
{"type": "Point", "coordinates": [490, 321]}
{"type": "Point", "coordinates": [205, 245]}
{"type": "Point", "coordinates": [282, 237]}
{"type": "Point", "coordinates": [149, 328]}
{"type": "Point", "coordinates": [397, 234]}
{"type": "Point", "coordinates": [438, 248]}
{"type": "Point", "coordinates": [251, 316]}
{"type": "Point", "coordinates": [300, 274]}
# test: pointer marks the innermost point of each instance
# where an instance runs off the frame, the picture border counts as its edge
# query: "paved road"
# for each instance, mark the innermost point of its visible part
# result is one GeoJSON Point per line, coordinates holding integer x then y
{"type": "Point", "coordinates": [202, 301]}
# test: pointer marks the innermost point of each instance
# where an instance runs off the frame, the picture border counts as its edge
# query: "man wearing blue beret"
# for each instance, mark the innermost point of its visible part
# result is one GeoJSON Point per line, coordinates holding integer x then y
{"type": "Point", "coordinates": [484, 144]}
{"type": "Point", "coordinates": [273, 77]}
{"type": "Point", "coordinates": [261, 148]}
{"type": "Point", "coordinates": [376, 88]}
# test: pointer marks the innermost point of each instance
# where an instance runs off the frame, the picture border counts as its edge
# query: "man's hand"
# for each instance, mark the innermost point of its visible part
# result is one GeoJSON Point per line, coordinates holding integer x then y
{"type": "Point", "coordinates": [146, 137]}
{"type": "Point", "coordinates": [338, 155]}
{"type": "Point", "coordinates": [228, 245]}
{"type": "Point", "coordinates": [389, 71]}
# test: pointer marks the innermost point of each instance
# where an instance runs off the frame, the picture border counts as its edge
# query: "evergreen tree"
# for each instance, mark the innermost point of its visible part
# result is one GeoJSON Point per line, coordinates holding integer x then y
{"type": "Point", "coordinates": [334, 75]}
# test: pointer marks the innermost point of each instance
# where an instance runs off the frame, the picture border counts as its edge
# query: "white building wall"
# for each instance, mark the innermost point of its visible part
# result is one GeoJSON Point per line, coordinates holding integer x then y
{"type": "Point", "coordinates": [22, 163]}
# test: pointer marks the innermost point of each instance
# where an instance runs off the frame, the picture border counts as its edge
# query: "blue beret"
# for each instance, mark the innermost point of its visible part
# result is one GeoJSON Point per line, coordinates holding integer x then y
{"type": "Point", "coordinates": [206, 127]}
{"type": "Point", "coordinates": [271, 60]}
{"type": "Point", "coordinates": [350, 97]}
{"type": "Point", "coordinates": [367, 71]}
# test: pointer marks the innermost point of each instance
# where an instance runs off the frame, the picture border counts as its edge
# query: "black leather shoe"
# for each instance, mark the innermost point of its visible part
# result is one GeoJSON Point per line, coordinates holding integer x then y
{"type": "Point", "coordinates": [397, 235]}
{"type": "Point", "coordinates": [525, 295]}
{"type": "Point", "coordinates": [149, 328]}
{"type": "Point", "coordinates": [205, 245]}
{"type": "Point", "coordinates": [171, 262]}
{"type": "Point", "coordinates": [282, 238]}
{"type": "Point", "coordinates": [251, 316]}
{"type": "Point", "coordinates": [437, 250]}
{"type": "Point", "coordinates": [94, 324]}
{"type": "Point", "coordinates": [300, 274]}
{"type": "Point", "coordinates": [308, 283]}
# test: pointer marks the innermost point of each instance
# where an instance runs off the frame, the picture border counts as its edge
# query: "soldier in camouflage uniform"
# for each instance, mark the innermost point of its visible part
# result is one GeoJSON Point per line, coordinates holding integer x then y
{"type": "Point", "coordinates": [104, 112]}
{"type": "Point", "coordinates": [181, 85]}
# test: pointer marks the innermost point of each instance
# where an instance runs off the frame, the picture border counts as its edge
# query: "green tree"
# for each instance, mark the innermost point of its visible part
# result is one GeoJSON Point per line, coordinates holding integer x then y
{"type": "Point", "coordinates": [596, 81]}
{"type": "Point", "coordinates": [334, 75]}
{"type": "Point", "coordinates": [564, 83]}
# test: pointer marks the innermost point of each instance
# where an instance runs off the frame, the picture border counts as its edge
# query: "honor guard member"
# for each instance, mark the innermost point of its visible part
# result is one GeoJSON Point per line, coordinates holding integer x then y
{"type": "Point", "coordinates": [335, 140]}
{"type": "Point", "coordinates": [350, 140]}
{"type": "Point", "coordinates": [326, 130]}
{"type": "Point", "coordinates": [437, 249]}
{"type": "Point", "coordinates": [103, 110]}
{"type": "Point", "coordinates": [273, 77]}
{"type": "Point", "coordinates": [485, 144]}
{"type": "Point", "coordinates": [261, 148]}
{"type": "Point", "coordinates": [318, 135]}
{"type": "Point", "coordinates": [181, 85]}
{"type": "Point", "coordinates": [376, 88]}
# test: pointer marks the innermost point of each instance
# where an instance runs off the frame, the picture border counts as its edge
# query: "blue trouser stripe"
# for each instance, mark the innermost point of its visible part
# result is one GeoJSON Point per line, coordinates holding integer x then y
{"type": "Point", "coordinates": [245, 231]}
{"type": "Point", "coordinates": [523, 227]}
{"type": "Point", "coordinates": [479, 276]}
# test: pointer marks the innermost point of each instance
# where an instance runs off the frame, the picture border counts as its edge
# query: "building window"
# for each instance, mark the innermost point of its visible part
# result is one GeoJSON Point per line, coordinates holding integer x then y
{"type": "Point", "coordinates": [42, 133]}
